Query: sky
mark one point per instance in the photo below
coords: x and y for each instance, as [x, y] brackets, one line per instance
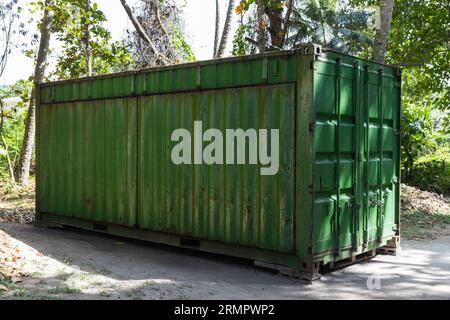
[199, 16]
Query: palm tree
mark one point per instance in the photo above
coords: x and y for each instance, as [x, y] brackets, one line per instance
[326, 22]
[226, 29]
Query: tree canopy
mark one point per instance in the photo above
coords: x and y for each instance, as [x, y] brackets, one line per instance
[417, 40]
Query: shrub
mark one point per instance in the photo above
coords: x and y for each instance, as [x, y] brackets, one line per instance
[432, 172]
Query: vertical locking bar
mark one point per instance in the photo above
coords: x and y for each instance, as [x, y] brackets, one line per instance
[367, 155]
[338, 155]
[356, 163]
[381, 198]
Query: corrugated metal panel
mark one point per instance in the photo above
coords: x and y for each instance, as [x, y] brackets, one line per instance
[230, 203]
[88, 160]
[244, 71]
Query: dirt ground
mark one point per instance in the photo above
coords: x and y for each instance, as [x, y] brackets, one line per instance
[38, 263]
[68, 264]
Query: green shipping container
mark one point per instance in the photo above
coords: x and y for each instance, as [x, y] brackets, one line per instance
[287, 158]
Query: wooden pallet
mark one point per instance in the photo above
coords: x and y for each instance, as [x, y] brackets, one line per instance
[389, 251]
[290, 272]
[365, 256]
[392, 247]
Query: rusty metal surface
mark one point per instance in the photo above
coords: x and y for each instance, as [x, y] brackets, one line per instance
[230, 203]
[104, 146]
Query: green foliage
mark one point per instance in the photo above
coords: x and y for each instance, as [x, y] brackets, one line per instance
[416, 129]
[432, 172]
[69, 20]
[418, 41]
[106, 56]
[244, 5]
[180, 44]
[240, 45]
[425, 149]
[419, 36]
[12, 126]
[341, 25]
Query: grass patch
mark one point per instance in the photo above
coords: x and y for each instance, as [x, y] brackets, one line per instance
[135, 294]
[421, 225]
[67, 261]
[7, 283]
[15, 292]
[24, 294]
[63, 290]
[104, 293]
[97, 269]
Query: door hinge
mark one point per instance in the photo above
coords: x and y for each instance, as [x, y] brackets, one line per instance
[312, 127]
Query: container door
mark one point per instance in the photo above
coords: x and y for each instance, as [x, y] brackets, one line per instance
[356, 155]
[201, 193]
[336, 149]
[381, 143]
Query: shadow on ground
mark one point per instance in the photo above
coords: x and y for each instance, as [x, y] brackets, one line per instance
[68, 264]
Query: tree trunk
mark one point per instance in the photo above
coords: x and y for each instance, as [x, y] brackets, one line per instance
[287, 20]
[39, 74]
[226, 30]
[382, 34]
[261, 40]
[87, 39]
[141, 31]
[216, 32]
[158, 18]
[7, 23]
[276, 27]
